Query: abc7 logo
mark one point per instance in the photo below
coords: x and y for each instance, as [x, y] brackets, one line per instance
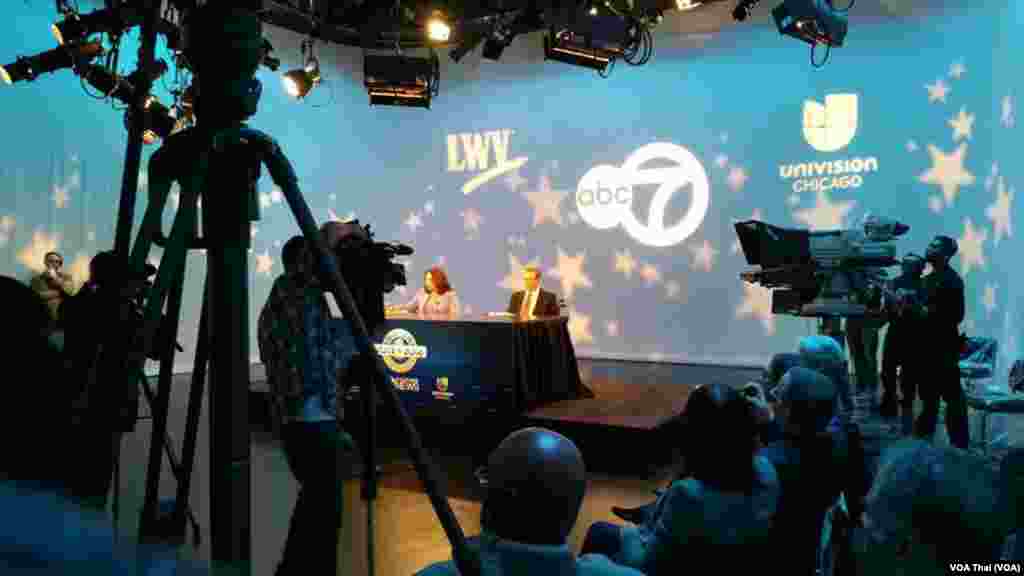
[604, 197]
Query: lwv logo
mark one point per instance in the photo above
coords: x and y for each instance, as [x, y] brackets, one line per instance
[830, 127]
[473, 151]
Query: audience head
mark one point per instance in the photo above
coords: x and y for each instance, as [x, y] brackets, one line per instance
[779, 365]
[296, 257]
[536, 483]
[931, 505]
[103, 268]
[53, 261]
[823, 354]
[531, 277]
[435, 281]
[940, 250]
[30, 355]
[721, 434]
[806, 402]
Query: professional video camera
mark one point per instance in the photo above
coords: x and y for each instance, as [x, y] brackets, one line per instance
[837, 273]
[370, 270]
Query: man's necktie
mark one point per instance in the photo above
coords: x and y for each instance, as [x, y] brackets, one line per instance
[524, 312]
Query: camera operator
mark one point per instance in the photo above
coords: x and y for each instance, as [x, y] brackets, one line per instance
[940, 316]
[100, 325]
[899, 352]
[304, 365]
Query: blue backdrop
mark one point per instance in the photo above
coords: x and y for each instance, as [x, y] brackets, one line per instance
[914, 118]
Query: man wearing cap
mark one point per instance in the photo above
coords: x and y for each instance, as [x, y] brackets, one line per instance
[940, 316]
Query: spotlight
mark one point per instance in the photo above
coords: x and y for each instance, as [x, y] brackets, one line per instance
[299, 82]
[812, 21]
[593, 43]
[160, 122]
[393, 80]
[684, 5]
[437, 29]
[70, 56]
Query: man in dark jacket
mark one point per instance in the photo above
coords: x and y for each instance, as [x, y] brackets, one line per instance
[898, 351]
[940, 316]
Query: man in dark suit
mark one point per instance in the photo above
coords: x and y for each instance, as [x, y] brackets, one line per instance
[533, 302]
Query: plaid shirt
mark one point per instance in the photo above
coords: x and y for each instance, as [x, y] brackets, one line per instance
[301, 351]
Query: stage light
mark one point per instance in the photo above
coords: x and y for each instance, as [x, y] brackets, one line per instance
[593, 43]
[812, 21]
[69, 56]
[159, 122]
[299, 82]
[437, 29]
[684, 5]
[394, 80]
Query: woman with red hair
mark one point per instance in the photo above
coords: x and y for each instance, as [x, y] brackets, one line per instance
[437, 297]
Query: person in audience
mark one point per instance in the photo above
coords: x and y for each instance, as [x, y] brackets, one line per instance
[811, 463]
[533, 301]
[940, 315]
[720, 513]
[824, 354]
[53, 285]
[436, 297]
[304, 366]
[899, 361]
[930, 506]
[536, 489]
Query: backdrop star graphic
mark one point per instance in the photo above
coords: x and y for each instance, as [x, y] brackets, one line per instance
[972, 254]
[737, 178]
[79, 269]
[988, 299]
[962, 125]
[938, 91]
[413, 221]
[757, 303]
[703, 256]
[514, 279]
[825, 215]
[612, 328]
[579, 327]
[624, 262]
[912, 146]
[264, 263]
[650, 274]
[935, 203]
[7, 225]
[999, 212]
[546, 203]
[60, 196]
[471, 220]
[957, 70]
[569, 270]
[515, 180]
[990, 180]
[1007, 116]
[948, 171]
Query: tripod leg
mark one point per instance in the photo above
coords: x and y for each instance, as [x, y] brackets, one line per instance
[369, 397]
[159, 407]
[195, 401]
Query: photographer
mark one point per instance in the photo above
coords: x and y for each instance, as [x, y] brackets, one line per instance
[304, 365]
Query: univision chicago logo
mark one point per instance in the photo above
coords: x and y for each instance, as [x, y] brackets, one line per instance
[829, 128]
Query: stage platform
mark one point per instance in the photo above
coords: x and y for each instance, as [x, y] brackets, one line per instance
[629, 427]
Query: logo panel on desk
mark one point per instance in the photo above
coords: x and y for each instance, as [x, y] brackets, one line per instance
[441, 392]
[400, 351]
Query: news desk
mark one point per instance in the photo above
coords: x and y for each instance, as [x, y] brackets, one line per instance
[479, 364]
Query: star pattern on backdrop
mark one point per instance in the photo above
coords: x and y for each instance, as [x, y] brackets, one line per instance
[650, 274]
[972, 244]
[31, 255]
[79, 269]
[1007, 112]
[962, 125]
[569, 271]
[737, 178]
[611, 328]
[988, 298]
[514, 279]
[60, 196]
[546, 203]
[935, 203]
[703, 256]
[990, 180]
[948, 171]
[579, 327]
[999, 212]
[7, 225]
[912, 146]
[264, 263]
[757, 303]
[825, 215]
[938, 91]
[957, 70]
[471, 220]
[623, 262]
[413, 221]
[515, 180]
